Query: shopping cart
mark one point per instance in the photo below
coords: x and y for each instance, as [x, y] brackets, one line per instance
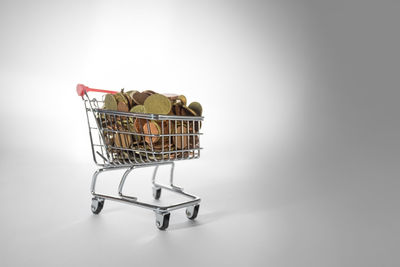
[121, 140]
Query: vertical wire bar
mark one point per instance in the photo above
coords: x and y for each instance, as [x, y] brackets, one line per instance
[188, 138]
[111, 135]
[127, 138]
[144, 141]
[198, 135]
[118, 150]
[120, 140]
[193, 138]
[137, 138]
[176, 139]
[132, 133]
[101, 132]
[90, 132]
[182, 144]
[141, 137]
[169, 139]
[162, 140]
[151, 140]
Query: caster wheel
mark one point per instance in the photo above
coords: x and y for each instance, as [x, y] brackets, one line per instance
[191, 212]
[156, 192]
[97, 205]
[162, 220]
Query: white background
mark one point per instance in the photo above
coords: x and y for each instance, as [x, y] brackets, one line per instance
[300, 98]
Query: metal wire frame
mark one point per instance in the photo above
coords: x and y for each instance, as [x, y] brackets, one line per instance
[142, 151]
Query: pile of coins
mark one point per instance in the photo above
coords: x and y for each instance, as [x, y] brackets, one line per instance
[131, 137]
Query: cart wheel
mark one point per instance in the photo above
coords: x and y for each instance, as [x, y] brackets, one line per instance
[156, 192]
[162, 220]
[191, 212]
[97, 205]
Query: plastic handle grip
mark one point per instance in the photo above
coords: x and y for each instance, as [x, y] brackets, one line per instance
[81, 89]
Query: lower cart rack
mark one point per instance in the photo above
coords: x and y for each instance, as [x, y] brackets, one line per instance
[124, 140]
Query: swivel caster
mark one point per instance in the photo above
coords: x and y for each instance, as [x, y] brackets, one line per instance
[191, 212]
[162, 220]
[156, 192]
[97, 205]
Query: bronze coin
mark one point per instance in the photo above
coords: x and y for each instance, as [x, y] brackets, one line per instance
[138, 124]
[177, 109]
[123, 107]
[149, 92]
[180, 141]
[151, 127]
[139, 98]
[131, 93]
[172, 97]
[117, 140]
[130, 100]
[182, 111]
[122, 140]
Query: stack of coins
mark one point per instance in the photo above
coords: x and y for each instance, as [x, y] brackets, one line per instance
[129, 137]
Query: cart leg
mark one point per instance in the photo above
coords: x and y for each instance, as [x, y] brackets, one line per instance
[121, 184]
[94, 180]
[156, 189]
[171, 178]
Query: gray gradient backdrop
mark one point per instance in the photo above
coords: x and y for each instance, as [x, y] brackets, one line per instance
[301, 159]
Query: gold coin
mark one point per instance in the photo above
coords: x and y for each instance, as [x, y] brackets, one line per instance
[182, 98]
[131, 121]
[189, 111]
[197, 108]
[134, 128]
[121, 98]
[110, 102]
[138, 109]
[130, 100]
[157, 104]
[131, 93]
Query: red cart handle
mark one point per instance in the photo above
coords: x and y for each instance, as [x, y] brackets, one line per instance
[82, 89]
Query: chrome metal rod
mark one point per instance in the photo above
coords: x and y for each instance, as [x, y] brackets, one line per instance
[121, 184]
[150, 206]
[173, 189]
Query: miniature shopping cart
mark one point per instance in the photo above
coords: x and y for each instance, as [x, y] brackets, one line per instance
[117, 143]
